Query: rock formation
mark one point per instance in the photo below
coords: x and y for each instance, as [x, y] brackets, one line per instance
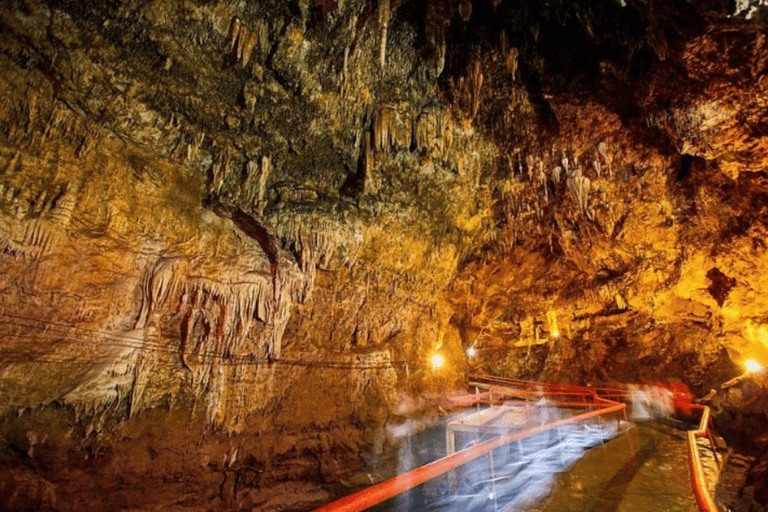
[233, 234]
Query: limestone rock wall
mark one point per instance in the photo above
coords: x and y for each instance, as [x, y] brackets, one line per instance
[225, 230]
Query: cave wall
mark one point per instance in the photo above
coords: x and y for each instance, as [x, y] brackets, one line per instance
[246, 227]
[633, 232]
[218, 220]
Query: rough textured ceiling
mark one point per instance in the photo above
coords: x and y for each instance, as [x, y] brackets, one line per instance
[247, 226]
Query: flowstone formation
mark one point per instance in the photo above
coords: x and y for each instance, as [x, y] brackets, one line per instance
[233, 234]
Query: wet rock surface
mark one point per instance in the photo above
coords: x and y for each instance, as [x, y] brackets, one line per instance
[233, 234]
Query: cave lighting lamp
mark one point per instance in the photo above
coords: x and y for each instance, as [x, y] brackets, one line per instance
[437, 361]
[554, 331]
[752, 366]
[471, 352]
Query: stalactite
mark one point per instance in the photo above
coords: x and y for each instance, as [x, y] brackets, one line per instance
[250, 42]
[234, 31]
[403, 131]
[383, 127]
[242, 37]
[465, 9]
[142, 371]
[219, 321]
[61, 211]
[438, 16]
[241, 41]
[316, 239]
[602, 148]
[369, 162]
[503, 41]
[219, 173]
[249, 191]
[579, 186]
[511, 61]
[434, 131]
[34, 225]
[344, 73]
[383, 25]
[476, 85]
[266, 169]
[262, 33]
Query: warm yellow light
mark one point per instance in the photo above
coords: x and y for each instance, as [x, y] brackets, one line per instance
[471, 352]
[437, 361]
[757, 334]
[752, 366]
[552, 321]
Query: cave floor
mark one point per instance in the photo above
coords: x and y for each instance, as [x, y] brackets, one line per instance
[642, 471]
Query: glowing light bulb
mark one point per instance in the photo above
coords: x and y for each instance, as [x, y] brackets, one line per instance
[437, 361]
[555, 334]
[752, 366]
[471, 352]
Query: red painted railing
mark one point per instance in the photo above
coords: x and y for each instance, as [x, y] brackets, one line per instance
[529, 384]
[700, 488]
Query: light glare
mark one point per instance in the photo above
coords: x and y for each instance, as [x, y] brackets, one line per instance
[471, 352]
[437, 361]
[752, 366]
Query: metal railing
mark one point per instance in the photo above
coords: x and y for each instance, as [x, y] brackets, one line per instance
[698, 479]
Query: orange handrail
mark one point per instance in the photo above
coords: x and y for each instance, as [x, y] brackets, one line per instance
[529, 383]
[700, 489]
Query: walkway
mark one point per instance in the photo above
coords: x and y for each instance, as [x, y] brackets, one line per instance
[523, 455]
[644, 470]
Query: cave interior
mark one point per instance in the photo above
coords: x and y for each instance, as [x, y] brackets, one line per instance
[240, 240]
